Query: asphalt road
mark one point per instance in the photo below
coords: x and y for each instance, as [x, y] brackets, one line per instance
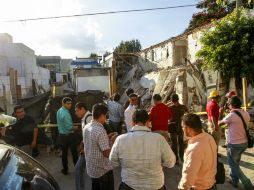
[52, 162]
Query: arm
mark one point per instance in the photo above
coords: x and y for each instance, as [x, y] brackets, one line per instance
[167, 156]
[103, 142]
[68, 121]
[151, 114]
[114, 154]
[121, 112]
[35, 136]
[214, 122]
[190, 170]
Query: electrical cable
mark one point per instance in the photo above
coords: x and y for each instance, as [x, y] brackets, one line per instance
[99, 13]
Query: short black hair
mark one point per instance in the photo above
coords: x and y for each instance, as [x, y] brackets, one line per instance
[133, 95]
[17, 107]
[98, 110]
[193, 121]
[81, 105]
[66, 99]
[129, 91]
[235, 102]
[174, 98]
[157, 97]
[140, 116]
[116, 97]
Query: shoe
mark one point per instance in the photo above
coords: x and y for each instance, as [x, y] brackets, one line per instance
[65, 172]
[233, 183]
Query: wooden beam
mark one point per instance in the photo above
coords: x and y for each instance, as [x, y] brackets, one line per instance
[245, 93]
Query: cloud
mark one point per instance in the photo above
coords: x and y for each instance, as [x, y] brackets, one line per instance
[69, 37]
[81, 36]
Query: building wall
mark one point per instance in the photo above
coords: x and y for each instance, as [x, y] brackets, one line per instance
[21, 58]
[160, 57]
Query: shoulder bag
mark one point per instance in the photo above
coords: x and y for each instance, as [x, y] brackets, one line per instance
[249, 137]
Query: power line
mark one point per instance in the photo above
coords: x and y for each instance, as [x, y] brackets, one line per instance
[99, 13]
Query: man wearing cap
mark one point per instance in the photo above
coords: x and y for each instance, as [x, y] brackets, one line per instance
[213, 113]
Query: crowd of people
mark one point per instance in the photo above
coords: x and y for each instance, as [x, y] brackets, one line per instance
[142, 142]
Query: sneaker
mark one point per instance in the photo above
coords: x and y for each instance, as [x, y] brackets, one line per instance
[233, 183]
[65, 172]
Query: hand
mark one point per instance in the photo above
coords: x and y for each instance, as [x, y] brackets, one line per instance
[33, 144]
[113, 138]
[75, 127]
[111, 135]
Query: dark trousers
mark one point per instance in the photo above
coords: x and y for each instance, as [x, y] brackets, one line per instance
[105, 182]
[177, 144]
[124, 186]
[116, 126]
[68, 141]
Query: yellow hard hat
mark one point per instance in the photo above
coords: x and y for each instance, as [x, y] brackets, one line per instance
[214, 94]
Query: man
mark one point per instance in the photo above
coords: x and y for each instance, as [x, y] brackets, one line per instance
[97, 150]
[133, 98]
[213, 113]
[82, 112]
[200, 158]
[175, 127]
[66, 134]
[225, 111]
[237, 141]
[141, 155]
[128, 92]
[116, 114]
[160, 115]
[24, 131]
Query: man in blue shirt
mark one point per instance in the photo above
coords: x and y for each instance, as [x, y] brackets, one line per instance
[66, 134]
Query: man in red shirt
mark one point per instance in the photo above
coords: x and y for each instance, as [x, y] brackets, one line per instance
[160, 116]
[213, 113]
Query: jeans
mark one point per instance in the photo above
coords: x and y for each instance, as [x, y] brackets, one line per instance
[105, 182]
[177, 144]
[234, 153]
[68, 141]
[79, 172]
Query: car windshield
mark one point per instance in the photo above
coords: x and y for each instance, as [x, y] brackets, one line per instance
[21, 172]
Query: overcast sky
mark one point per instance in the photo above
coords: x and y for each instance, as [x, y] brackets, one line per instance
[71, 37]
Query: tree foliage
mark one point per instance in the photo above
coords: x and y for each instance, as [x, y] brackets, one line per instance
[131, 46]
[93, 55]
[213, 10]
[229, 46]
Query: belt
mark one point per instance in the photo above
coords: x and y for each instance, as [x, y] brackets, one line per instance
[72, 132]
[124, 186]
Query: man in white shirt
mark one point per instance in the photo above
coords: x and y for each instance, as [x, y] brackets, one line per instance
[141, 155]
[82, 112]
[130, 110]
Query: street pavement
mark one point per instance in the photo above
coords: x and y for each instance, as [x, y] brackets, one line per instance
[52, 162]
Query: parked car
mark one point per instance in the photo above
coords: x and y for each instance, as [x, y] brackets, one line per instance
[21, 172]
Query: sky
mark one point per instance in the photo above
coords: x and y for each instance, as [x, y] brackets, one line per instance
[79, 36]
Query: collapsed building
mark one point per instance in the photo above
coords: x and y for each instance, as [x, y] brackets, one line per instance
[166, 68]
